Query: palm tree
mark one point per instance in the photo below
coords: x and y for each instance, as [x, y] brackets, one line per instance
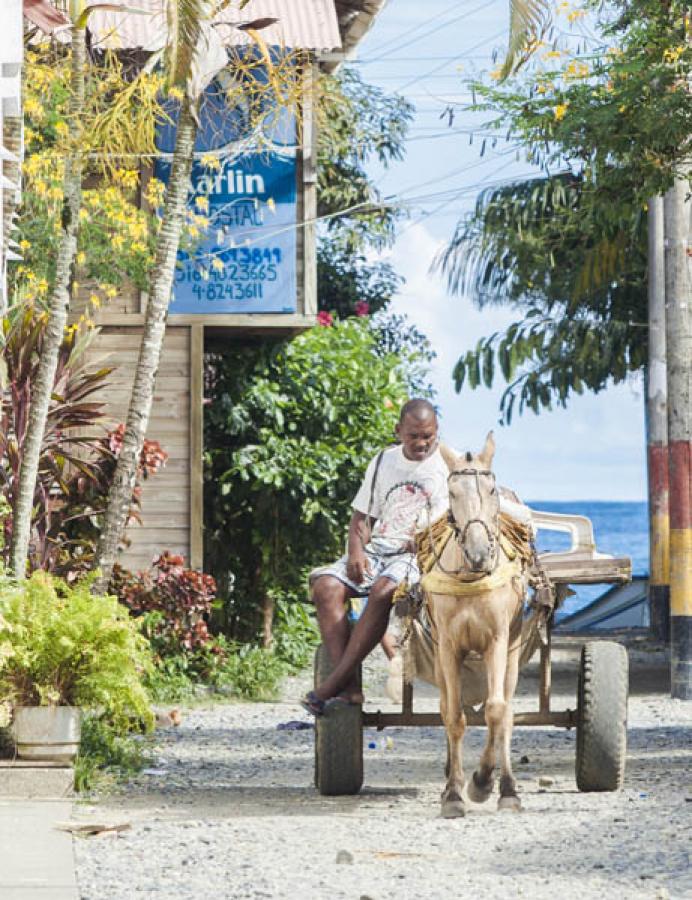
[58, 304]
[192, 62]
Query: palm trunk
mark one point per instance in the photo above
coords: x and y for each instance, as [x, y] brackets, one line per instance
[57, 320]
[120, 494]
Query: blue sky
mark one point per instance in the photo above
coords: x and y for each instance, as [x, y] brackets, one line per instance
[593, 450]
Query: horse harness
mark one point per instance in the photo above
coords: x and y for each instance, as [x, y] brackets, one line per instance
[461, 533]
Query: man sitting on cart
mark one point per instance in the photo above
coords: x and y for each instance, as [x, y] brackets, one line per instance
[404, 488]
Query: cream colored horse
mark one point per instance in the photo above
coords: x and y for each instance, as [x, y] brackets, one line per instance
[482, 617]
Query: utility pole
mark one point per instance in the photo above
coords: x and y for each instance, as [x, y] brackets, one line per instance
[657, 430]
[679, 371]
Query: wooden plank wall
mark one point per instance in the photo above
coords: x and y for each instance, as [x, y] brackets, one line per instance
[165, 497]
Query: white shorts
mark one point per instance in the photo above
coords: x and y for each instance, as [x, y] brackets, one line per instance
[397, 568]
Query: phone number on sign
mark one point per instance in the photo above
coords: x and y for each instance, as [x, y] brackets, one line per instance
[235, 291]
[230, 272]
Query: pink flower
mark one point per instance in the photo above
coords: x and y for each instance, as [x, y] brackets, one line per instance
[362, 308]
[325, 318]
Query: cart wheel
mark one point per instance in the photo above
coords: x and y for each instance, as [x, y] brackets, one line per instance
[338, 742]
[602, 716]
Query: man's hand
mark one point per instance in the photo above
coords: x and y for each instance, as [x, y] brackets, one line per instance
[357, 565]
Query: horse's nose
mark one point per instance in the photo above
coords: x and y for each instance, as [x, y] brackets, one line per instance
[479, 562]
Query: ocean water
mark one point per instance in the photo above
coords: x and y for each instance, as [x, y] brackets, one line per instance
[621, 529]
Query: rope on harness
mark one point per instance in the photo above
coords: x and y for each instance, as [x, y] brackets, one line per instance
[515, 540]
[439, 583]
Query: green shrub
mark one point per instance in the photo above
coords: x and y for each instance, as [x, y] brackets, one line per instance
[106, 755]
[295, 632]
[231, 670]
[59, 645]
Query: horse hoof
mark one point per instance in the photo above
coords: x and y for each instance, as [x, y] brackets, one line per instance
[479, 792]
[453, 809]
[511, 804]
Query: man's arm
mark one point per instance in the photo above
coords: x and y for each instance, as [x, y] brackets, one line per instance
[357, 563]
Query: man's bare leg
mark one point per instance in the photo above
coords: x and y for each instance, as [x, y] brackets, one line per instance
[367, 633]
[331, 598]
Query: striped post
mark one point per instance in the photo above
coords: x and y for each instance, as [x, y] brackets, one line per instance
[679, 366]
[657, 430]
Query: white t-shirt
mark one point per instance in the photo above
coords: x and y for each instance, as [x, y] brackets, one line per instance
[408, 494]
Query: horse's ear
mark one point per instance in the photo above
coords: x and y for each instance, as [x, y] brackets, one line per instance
[488, 451]
[449, 457]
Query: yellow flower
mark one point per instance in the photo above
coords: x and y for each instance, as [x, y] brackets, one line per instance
[495, 74]
[24, 245]
[271, 204]
[111, 292]
[559, 111]
[176, 93]
[673, 54]
[202, 203]
[552, 54]
[210, 161]
[217, 264]
[81, 258]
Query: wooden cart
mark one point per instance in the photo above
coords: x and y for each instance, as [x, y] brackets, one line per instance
[601, 709]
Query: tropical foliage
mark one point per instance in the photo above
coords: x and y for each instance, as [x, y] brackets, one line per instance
[71, 448]
[357, 124]
[574, 264]
[292, 427]
[61, 646]
[568, 250]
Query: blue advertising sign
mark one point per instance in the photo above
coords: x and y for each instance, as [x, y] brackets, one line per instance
[245, 258]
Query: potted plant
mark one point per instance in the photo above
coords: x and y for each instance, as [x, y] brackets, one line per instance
[63, 650]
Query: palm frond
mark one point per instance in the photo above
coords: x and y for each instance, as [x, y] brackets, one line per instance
[185, 20]
[528, 21]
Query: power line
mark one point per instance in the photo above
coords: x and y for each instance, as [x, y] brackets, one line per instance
[413, 28]
[437, 28]
[443, 64]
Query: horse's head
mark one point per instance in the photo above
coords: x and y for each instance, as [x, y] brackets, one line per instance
[474, 504]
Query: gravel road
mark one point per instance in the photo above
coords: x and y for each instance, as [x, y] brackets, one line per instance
[230, 812]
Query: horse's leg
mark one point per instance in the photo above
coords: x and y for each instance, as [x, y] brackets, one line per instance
[508, 789]
[455, 724]
[481, 785]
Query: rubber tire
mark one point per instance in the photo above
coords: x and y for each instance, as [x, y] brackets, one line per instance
[338, 742]
[602, 716]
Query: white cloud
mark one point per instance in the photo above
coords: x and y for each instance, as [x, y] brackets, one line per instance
[593, 450]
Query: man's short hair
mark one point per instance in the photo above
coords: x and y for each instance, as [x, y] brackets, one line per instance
[418, 408]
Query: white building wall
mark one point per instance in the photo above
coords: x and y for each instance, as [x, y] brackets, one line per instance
[11, 54]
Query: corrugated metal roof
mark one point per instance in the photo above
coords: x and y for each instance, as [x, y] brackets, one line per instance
[304, 24]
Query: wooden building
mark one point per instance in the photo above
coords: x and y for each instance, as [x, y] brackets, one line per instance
[172, 501]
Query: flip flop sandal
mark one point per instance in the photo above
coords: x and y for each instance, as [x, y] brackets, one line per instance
[312, 704]
[339, 702]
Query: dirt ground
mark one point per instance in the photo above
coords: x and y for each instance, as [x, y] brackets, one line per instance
[229, 809]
